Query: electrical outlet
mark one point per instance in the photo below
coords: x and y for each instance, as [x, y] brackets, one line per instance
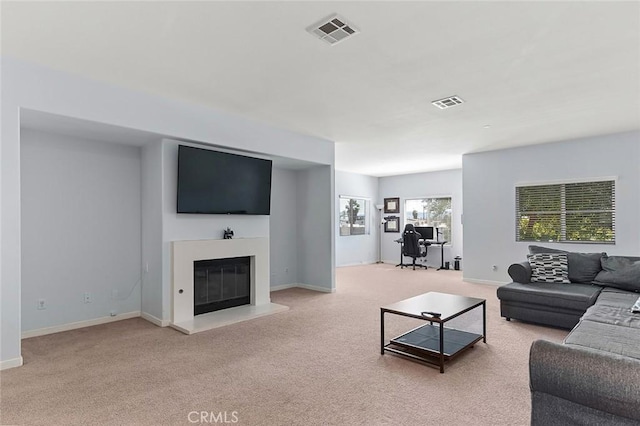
[146, 267]
[286, 270]
[42, 304]
[88, 298]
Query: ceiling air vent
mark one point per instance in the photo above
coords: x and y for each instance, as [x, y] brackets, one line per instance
[332, 30]
[449, 102]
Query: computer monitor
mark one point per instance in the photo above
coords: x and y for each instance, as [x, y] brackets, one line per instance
[427, 232]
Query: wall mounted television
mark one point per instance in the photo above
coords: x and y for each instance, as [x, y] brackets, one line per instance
[213, 182]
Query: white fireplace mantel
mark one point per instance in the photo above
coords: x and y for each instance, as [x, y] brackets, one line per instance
[186, 252]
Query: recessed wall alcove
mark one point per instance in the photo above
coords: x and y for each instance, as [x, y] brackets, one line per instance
[302, 198]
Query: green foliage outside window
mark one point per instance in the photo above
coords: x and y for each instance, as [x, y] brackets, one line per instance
[572, 212]
[434, 212]
[353, 216]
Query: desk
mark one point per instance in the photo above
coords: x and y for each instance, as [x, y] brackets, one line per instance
[441, 244]
[422, 241]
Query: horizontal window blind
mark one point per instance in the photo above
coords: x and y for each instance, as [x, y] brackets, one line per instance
[568, 212]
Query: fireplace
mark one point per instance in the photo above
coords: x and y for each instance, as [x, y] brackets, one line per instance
[186, 253]
[221, 284]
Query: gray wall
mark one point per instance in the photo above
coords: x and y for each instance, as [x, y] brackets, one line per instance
[316, 220]
[489, 181]
[80, 212]
[283, 228]
[357, 249]
[446, 183]
[152, 291]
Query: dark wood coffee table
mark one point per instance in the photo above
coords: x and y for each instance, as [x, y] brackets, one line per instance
[433, 343]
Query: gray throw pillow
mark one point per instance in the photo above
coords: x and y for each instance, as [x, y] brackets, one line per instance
[583, 267]
[620, 272]
[549, 268]
[540, 249]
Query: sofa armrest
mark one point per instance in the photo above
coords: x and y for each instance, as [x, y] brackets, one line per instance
[520, 272]
[599, 380]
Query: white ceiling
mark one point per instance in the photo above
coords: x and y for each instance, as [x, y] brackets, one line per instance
[534, 72]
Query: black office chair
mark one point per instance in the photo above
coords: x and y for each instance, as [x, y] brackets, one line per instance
[411, 246]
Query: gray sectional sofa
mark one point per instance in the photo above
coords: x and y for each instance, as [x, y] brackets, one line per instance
[593, 377]
[552, 303]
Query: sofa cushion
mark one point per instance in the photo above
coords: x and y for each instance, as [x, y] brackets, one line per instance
[620, 272]
[577, 297]
[614, 307]
[583, 267]
[616, 298]
[605, 337]
[622, 317]
[549, 268]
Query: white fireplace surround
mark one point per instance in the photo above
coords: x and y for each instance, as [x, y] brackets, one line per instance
[186, 252]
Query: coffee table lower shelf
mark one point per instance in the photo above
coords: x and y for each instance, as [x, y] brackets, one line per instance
[423, 343]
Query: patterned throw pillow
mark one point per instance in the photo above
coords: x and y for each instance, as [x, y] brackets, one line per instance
[549, 268]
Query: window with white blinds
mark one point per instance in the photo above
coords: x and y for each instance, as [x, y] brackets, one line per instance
[567, 212]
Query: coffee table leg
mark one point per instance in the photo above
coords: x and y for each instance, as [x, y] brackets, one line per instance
[441, 347]
[381, 332]
[484, 322]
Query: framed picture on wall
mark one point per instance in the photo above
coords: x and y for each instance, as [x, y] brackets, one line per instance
[392, 224]
[392, 205]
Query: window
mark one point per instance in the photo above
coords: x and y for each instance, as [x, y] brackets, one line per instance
[353, 216]
[434, 212]
[567, 212]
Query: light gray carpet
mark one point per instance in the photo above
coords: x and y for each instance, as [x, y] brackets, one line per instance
[317, 364]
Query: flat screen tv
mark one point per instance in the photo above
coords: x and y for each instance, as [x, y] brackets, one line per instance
[213, 182]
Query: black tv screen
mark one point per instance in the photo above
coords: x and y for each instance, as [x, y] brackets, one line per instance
[212, 182]
[425, 231]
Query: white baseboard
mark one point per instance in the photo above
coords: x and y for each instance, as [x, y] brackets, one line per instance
[155, 320]
[11, 363]
[79, 324]
[299, 285]
[283, 287]
[367, 262]
[316, 288]
[487, 282]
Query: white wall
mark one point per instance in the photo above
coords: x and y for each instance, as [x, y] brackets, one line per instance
[37, 88]
[357, 249]
[283, 229]
[80, 211]
[446, 183]
[489, 181]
